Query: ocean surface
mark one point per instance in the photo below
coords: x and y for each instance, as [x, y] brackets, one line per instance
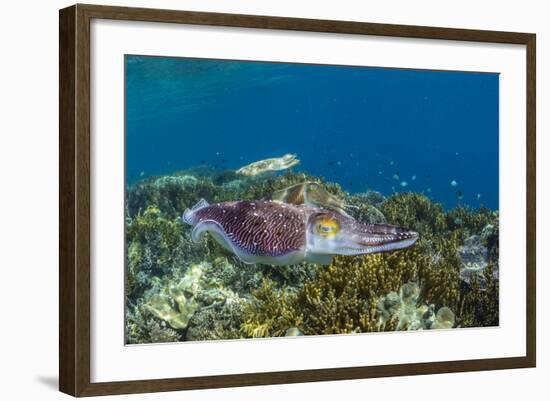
[389, 130]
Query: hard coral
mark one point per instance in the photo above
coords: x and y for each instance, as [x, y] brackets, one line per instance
[415, 211]
[176, 303]
[340, 299]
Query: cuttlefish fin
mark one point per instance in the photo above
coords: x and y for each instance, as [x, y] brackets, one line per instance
[219, 234]
[189, 213]
[319, 258]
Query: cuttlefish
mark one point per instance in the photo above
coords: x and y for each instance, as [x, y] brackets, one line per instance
[313, 194]
[274, 164]
[278, 233]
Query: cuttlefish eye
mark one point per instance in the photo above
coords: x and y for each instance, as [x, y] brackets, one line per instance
[327, 227]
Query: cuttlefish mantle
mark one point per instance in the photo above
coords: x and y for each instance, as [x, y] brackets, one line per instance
[278, 233]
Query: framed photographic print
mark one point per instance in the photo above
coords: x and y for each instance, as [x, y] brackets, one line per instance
[251, 200]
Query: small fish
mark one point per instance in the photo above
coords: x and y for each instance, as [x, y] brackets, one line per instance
[404, 183]
[142, 173]
[396, 176]
[429, 190]
[459, 195]
[454, 183]
[478, 196]
[414, 177]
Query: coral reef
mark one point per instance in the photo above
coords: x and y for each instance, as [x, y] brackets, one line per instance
[176, 303]
[177, 290]
[405, 309]
[415, 211]
[474, 256]
[343, 298]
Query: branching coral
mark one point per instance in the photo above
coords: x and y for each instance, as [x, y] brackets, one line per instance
[415, 211]
[271, 312]
[340, 299]
[469, 222]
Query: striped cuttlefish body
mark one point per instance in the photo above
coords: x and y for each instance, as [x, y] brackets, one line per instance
[277, 233]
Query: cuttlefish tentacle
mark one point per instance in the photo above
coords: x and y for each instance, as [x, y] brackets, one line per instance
[278, 233]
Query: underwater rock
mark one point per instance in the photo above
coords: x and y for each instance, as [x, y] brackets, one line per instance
[268, 165]
[474, 259]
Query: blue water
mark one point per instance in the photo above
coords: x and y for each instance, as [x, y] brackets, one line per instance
[365, 128]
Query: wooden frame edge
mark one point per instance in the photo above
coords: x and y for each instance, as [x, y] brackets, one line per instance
[531, 201]
[67, 131]
[74, 199]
